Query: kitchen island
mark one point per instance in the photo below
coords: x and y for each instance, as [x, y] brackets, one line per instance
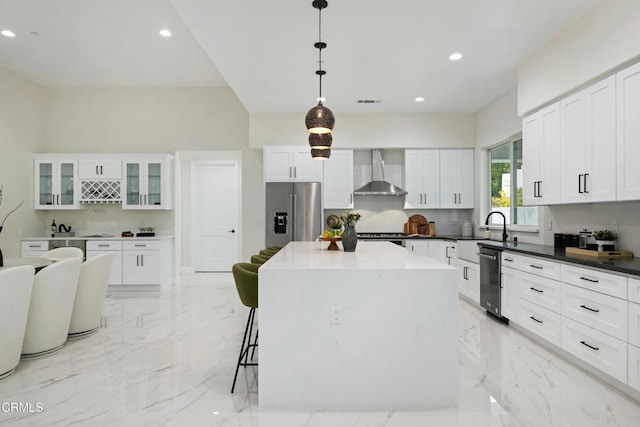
[372, 329]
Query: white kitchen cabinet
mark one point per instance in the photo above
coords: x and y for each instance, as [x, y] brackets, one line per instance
[147, 183]
[114, 247]
[541, 135]
[100, 169]
[56, 183]
[542, 291]
[628, 133]
[509, 293]
[469, 280]
[456, 179]
[291, 164]
[33, 248]
[418, 247]
[634, 290]
[602, 351]
[634, 324]
[337, 188]
[422, 179]
[595, 280]
[588, 140]
[450, 252]
[542, 322]
[634, 367]
[140, 263]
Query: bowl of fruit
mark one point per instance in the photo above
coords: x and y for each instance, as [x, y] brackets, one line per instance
[332, 236]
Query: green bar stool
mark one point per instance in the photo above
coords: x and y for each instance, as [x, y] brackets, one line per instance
[267, 252]
[274, 248]
[246, 278]
[259, 259]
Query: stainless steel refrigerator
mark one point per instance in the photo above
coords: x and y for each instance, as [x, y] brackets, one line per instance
[293, 212]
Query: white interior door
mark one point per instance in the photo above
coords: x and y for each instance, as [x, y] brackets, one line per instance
[215, 221]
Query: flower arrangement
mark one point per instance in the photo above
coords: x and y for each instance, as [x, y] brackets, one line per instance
[349, 219]
[10, 212]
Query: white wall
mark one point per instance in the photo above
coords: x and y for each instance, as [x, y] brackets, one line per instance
[151, 120]
[602, 40]
[369, 130]
[21, 133]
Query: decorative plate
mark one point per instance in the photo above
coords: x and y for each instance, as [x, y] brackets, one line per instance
[333, 221]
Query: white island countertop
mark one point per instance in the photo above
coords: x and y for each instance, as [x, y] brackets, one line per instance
[374, 329]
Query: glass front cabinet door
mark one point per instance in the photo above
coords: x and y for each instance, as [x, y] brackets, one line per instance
[146, 184]
[56, 184]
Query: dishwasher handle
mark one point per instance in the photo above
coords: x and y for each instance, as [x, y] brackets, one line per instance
[491, 257]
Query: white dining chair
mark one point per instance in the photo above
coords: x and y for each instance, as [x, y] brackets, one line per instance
[16, 285]
[58, 254]
[54, 292]
[92, 289]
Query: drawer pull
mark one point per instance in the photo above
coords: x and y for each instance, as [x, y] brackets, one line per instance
[103, 246]
[588, 280]
[508, 259]
[34, 246]
[590, 346]
[536, 320]
[590, 309]
[536, 290]
[535, 266]
[140, 246]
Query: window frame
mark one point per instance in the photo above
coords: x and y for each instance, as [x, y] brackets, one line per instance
[510, 142]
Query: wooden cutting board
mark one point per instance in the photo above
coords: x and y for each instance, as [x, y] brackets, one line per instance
[599, 254]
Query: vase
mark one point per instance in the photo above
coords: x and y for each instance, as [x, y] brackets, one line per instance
[349, 238]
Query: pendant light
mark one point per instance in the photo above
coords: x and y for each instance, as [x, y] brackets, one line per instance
[320, 119]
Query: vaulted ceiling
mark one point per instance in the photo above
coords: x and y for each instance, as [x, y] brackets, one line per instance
[391, 52]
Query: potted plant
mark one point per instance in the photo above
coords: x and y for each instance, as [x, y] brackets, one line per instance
[605, 239]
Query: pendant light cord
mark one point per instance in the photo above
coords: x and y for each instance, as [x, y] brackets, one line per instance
[320, 50]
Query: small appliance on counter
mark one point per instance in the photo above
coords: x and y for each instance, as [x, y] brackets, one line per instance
[146, 232]
[467, 229]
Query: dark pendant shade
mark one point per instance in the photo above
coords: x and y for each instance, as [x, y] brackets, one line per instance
[320, 154]
[320, 141]
[320, 119]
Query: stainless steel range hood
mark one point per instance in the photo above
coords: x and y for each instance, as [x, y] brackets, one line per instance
[378, 186]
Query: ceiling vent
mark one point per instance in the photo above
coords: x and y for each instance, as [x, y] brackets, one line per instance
[369, 101]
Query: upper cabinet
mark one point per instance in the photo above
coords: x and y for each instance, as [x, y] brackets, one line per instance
[291, 164]
[422, 179]
[147, 183]
[100, 180]
[100, 169]
[456, 179]
[588, 141]
[628, 136]
[338, 180]
[541, 157]
[56, 183]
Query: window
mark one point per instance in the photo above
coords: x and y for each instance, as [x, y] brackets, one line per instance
[505, 176]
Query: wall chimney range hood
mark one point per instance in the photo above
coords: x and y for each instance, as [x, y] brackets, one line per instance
[378, 186]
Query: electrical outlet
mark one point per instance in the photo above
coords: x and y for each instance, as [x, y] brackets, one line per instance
[336, 315]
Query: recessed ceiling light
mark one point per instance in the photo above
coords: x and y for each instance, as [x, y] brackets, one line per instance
[419, 99]
[8, 33]
[455, 56]
[165, 33]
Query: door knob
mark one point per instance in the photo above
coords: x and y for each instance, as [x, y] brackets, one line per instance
[232, 231]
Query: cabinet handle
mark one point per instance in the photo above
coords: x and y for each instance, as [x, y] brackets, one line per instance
[535, 266]
[290, 172]
[96, 169]
[589, 280]
[145, 199]
[590, 346]
[508, 259]
[455, 198]
[585, 182]
[533, 318]
[590, 309]
[103, 246]
[140, 246]
[536, 290]
[466, 273]
[139, 199]
[138, 260]
[142, 260]
[101, 173]
[539, 188]
[351, 197]
[57, 199]
[420, 198]
[580, 183]
[446, 252]
[460, 198]
[34, 246]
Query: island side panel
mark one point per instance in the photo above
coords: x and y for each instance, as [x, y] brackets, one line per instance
[396, 347]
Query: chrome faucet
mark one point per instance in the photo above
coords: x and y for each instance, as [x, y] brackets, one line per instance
[504, 224]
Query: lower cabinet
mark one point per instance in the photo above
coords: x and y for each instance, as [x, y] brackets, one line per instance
[469, 280]
[602, 351]
[509, 293]
[542, 322]
[95, 248]
[436, 249]
[34, 249]
[140, 263]
[634, 367]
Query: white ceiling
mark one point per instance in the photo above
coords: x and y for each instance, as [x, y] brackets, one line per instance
[387, 51]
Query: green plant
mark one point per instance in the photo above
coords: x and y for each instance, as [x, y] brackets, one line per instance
[604, 235]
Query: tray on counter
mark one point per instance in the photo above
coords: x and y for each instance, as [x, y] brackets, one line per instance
[598, 254]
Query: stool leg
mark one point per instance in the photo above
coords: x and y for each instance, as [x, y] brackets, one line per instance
[255, 344]
[244, 339]
[246, 354]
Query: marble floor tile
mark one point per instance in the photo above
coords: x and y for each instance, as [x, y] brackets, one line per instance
[167, 358]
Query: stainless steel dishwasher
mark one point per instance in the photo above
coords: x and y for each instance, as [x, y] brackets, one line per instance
[490, 280]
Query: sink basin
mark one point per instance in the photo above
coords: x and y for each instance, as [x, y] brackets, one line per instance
[67, 234]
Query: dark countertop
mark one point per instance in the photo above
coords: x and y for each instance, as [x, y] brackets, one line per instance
[618, 265]
[424, 237]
